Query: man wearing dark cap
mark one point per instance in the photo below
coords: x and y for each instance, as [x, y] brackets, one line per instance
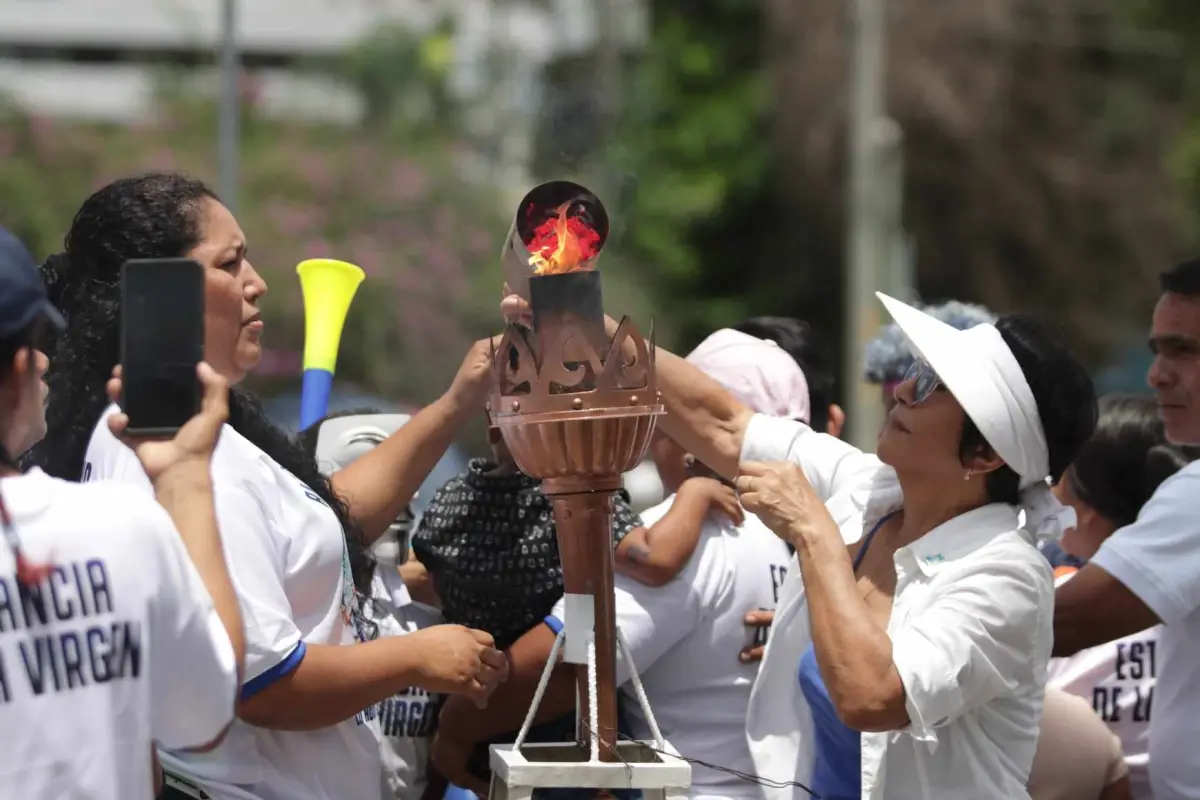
[24, 306]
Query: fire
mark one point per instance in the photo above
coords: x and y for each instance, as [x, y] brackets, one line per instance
[562, 243]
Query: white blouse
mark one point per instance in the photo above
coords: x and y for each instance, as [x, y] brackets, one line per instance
[971, 631]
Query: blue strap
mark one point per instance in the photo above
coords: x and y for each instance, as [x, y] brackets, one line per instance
[862, 551]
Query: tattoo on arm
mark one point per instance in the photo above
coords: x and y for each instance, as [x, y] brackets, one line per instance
[637, 553]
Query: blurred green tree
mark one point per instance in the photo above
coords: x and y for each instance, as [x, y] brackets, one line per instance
[1028, 130]
[1175, 26]
[684, 160]
[403, 78]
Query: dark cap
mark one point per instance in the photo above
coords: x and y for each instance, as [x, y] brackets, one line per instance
[23, 296]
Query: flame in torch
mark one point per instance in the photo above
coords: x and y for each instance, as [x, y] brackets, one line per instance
[564, 241]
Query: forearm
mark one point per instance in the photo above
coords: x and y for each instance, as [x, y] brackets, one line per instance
[1094, 608]
[634, 559]
[380, 484]
[333, 683]
[702, 416]
[188, 500]
[853, 652]
[656, 554]
[1070, 638]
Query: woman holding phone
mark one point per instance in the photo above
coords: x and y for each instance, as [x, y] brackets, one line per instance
[127, 624]
[295, 542]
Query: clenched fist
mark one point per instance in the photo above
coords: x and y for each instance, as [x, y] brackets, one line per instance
[459, 660]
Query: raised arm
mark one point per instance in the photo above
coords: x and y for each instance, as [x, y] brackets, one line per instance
[716, 428]
[656, 553]
[721, 432]
[379, 485]
[702, 417]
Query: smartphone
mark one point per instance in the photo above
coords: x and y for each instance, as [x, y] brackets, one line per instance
[162, 341]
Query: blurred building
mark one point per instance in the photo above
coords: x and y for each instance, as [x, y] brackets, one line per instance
[103, 59]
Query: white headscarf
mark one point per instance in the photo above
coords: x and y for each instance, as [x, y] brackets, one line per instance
[979, 369]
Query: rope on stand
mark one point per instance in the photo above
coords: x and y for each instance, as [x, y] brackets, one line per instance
[636, 679]
[593, 701]
[547, 671]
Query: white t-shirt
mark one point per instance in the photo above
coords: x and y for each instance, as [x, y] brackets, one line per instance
[1158, 559]
[1117, 678]
[119, 647]
[685, 638]
[285, 551]
[407, 721]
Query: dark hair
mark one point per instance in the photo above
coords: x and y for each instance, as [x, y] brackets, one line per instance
[1065, 397]
[148, 216]
[1120, 467]
[809, 350]
[1183, 278]
[307, 438]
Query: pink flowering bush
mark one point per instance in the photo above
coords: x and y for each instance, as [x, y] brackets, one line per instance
[427, 238]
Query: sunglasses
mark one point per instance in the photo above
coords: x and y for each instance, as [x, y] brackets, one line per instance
[925, 381]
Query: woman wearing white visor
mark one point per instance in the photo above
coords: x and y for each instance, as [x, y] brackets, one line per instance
[908, 655]
[929, 634]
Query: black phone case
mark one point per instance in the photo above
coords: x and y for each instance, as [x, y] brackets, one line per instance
[167, 302]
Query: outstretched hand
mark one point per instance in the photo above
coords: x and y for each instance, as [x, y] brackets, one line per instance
[193, 444]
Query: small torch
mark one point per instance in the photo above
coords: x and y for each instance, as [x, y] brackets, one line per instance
[576, 410]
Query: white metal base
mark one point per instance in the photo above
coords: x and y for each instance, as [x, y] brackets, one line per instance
[655, 768]
[652, 769]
